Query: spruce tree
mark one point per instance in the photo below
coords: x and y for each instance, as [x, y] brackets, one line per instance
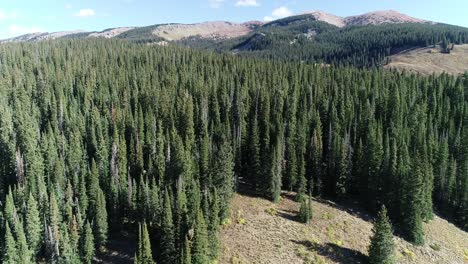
[33, 225]
[200, 241]
[275, 183]
[101, 225]
[186, 252]
[412, 223]
[68, 254]
[24, 253]
[382, 247]
[223, 177]
[10, 253]
[144, 246]
[87, 244]
[310, 206]
[303, 213]
[168, 251]
[213, 227]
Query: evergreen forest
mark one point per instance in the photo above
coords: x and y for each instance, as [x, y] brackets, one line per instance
[99, 136]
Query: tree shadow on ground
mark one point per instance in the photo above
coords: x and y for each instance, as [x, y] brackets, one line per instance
[120, 249]
[245, 188]
[288, 215]
[334, 252]
[351, 206]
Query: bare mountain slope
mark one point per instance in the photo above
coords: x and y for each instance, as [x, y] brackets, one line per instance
[381, 17]
[372, 18]
[214, 30]
[110, 33]
[328, 18]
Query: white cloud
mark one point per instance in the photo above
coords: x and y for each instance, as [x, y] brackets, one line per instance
[86, 13]
[278, 13]
[20, 30]
[68, 6]
[216, 3]
[247, 3]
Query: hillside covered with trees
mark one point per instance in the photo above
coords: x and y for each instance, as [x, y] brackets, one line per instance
[304, 39]
[97, 136]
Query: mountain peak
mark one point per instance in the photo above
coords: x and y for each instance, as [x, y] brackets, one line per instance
[371, 18]
[327, 17]
[381, 17]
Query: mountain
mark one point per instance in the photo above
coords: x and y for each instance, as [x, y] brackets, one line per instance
[320, 38]
[217, 29]
[372, 18]
[328, 18]
[169, 32]
[381, 17]
[33, 37]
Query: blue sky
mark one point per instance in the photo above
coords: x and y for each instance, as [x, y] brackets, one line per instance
[25, 16]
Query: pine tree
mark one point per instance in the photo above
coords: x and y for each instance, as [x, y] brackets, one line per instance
[87, 244]
[10, 253]
[68, 254]
[24, 253]
[276, 171]
[33, 226]
[303, 213]
[223, 177]
[213, 227]
[154, 206]
[9, 209]
[412, 204]
[253, 154]
[204, 153]
[168, 251]
[310, 208]
[93, 189]
[52, 231]
[200, 241]
[186, 252]
[101, 225]
[382, 247]
[343, 170]
[144, 246]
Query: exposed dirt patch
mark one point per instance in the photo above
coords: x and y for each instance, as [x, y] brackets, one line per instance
[110, 33]
[430, 60]
[336, 235]
[215, 30]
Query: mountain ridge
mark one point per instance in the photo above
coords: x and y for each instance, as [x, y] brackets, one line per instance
[222, 29]
[371, 18]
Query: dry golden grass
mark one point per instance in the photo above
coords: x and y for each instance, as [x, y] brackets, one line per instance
[431, 60]
[336, 235]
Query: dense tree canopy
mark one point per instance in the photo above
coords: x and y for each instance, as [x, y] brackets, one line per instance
[96, 135]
